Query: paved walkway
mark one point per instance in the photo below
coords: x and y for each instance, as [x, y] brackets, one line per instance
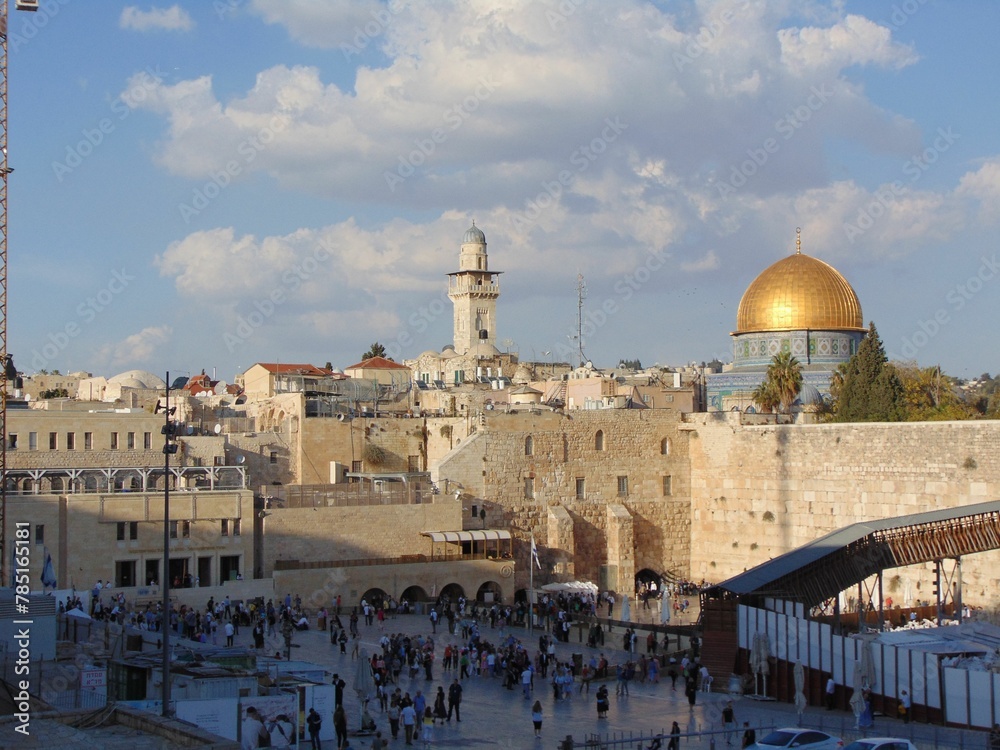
[495, 717]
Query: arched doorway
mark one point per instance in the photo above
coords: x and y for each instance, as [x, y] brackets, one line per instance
[648, 580]
[413, 594]
[451, 593]
[490, 593]
[375, 597]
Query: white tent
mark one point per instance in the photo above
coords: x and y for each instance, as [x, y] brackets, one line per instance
[577, 587]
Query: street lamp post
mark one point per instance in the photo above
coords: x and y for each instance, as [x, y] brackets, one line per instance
[169, 431]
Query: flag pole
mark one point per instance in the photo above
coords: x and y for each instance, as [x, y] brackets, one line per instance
[531, 587]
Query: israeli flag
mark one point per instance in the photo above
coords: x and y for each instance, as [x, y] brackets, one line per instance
[48, 572]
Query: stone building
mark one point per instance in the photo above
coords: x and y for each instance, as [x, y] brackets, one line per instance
[798, 305]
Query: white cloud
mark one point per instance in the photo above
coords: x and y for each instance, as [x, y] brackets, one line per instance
[854, 40]
[136, 349]
[983, 186]
[173, 18]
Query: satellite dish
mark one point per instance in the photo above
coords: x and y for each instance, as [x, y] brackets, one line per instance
[189, 429]
[218, 429]
[220, 387]
[241, 459]
[341, 417]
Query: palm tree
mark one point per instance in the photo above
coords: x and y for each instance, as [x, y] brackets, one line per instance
[785, 373]
[765, 396]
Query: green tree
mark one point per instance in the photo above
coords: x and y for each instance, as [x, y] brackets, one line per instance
[781, 385]
[930, 395]
[766, 396]
[872, 390]
[375, 350]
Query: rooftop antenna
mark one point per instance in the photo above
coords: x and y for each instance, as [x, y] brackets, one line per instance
[581, 295]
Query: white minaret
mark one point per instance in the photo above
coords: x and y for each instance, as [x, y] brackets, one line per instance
[474, 289]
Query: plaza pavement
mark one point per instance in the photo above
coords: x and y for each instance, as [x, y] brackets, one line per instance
[499, 718]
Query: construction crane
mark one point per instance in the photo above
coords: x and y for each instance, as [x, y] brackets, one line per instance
[5, 360]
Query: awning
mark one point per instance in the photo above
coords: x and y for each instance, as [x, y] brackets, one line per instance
[477, 535]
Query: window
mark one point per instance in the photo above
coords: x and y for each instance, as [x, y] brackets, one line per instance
[32, 441]
[413, 463]
[12, 441]
[133, 530]
[581, 488]
[236, 527]
[173, 529]
[130, 441]
[665, 447]
[599, 440]
[147, 440]
[53, 441]
[225, 527]
[274, 457]
[71, 441]
[529, 446]
[668, 489]
[40, 533]
[114, 441]
[622, 486]
[121, 531]
[186, 529]
[529, 487]
[88, 441]
[125, 573]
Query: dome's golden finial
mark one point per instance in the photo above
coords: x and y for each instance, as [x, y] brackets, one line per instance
[798, 240]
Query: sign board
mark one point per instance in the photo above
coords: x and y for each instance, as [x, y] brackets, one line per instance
[93, 678]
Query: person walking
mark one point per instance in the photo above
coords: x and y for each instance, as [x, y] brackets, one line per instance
[314, 723]
[536, 719]
[340, 726]
[831, 690]
[749, 735]
[455, 700]
[230, 632]
[440, 712]
[393, 714]
[409, 718]
[675, 737]
[729, 722]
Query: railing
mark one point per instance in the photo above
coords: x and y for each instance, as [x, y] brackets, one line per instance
[400, 560]
[353, 494]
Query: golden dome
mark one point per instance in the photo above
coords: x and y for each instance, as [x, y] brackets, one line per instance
[799, 293]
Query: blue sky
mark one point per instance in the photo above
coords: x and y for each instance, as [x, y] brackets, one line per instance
[212, 184]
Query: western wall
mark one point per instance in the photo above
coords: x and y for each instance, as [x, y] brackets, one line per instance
[758, 491]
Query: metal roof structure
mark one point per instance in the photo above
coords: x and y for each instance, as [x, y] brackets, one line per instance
[826, 566]
[473, 535]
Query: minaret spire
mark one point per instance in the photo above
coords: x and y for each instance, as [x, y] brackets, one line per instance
[798, 240]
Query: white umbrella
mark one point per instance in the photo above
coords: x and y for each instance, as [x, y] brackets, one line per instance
[626, 610]
[759, 654]
[800, 697]
[857, 699]
[78, 614]
[664, 609]
[364, 680]
[867, 665]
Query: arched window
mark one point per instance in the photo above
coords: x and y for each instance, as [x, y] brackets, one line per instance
[599, 440]
[529, 446]
[665, 447]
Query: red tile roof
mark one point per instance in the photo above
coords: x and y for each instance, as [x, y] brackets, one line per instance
[377, 363]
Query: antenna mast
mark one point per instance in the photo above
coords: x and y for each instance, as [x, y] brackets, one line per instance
[581, 295]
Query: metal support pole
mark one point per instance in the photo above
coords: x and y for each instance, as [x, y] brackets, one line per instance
[958, 589]
[165, 573]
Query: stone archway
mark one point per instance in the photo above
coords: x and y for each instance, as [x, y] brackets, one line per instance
[375, 596]
[490, 592]
[414, 594]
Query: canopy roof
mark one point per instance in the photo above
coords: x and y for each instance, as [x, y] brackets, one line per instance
[476, 535]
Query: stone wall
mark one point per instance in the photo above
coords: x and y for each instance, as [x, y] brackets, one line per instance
[355, 533]
[760, 491]
[563, 449]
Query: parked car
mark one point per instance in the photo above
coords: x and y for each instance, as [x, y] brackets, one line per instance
[808, 739]
[881, 743]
